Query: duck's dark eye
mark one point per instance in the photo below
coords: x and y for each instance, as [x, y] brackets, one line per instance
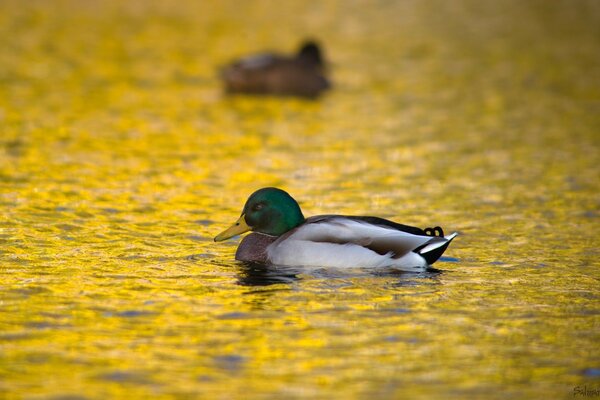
[258, 207]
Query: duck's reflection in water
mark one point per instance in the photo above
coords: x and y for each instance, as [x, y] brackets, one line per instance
[255, 274]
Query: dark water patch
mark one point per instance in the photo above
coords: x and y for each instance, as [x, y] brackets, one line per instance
[204, 222]
[590, 214]
[449, 259]
[7, 203]
[235, 315]
[399, 339]
[144, 210]
[199, 256]
[16, 336]
[379, 313]
[141, 287]
[230, 362]
[43, 215]
[110, 210]
[13, 178]
[129, 313]
[414, 279]
[130, 258]
[133, 377]
[44, 325]
[41, 358]
[146, 224]
[14, 147]
[335, 282]
[142, 254]
[573, 183]
[591, 372]
[176, 277]
[589, 312]
[259, 290]
[397, 311]
[199, 238]
[133, 313]
[30, 290]
[158, 244]
[116, 276]
[68, 397]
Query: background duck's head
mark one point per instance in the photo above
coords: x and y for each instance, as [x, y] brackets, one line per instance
[270, 211]
[310, 53]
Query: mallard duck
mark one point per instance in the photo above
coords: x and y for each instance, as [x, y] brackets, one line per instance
[299, 75]
[282, 236]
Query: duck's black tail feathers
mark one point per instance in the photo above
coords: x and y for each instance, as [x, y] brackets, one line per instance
[433, 251]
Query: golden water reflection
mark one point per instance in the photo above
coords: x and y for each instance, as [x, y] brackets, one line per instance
[120, 159]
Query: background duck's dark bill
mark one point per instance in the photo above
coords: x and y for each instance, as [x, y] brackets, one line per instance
[239, 227]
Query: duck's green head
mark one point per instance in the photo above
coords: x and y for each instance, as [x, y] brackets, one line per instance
[269, 210]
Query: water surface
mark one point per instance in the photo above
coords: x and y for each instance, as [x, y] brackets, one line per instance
[120, 160]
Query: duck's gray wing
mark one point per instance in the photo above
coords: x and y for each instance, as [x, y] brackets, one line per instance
[381, 239]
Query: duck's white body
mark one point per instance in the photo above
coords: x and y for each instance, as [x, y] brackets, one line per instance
[338, 242]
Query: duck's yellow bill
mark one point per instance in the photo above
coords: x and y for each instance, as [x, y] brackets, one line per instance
[239, 227]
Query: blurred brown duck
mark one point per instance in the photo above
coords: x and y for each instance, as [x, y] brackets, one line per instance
[299, 75]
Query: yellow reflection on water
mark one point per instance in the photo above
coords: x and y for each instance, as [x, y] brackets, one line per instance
[120, 159]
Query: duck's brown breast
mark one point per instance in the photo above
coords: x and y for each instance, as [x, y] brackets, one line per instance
[253, 248]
